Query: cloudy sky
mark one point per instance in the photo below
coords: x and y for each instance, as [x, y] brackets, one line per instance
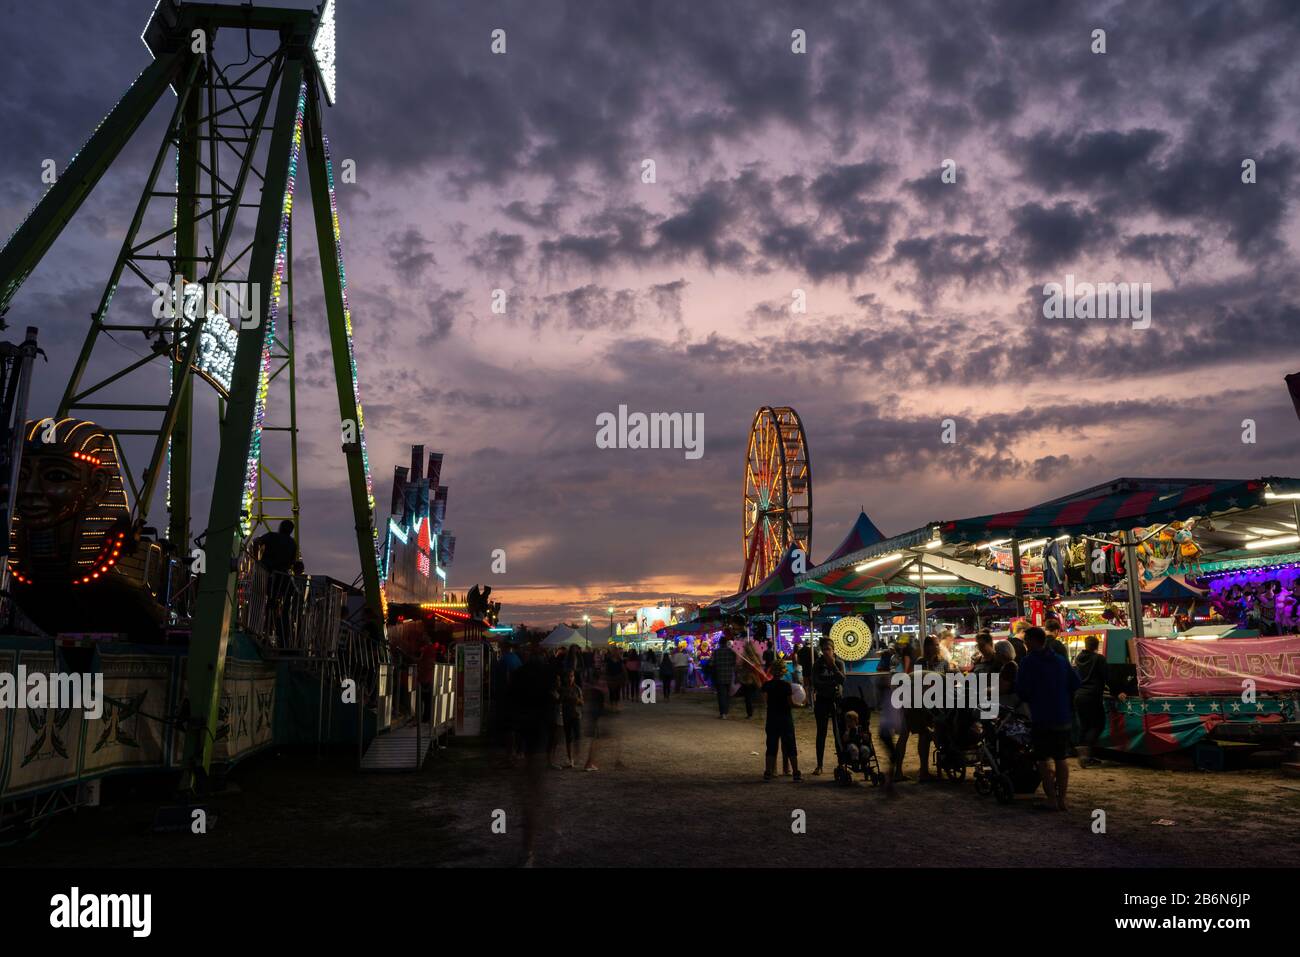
[775, 171]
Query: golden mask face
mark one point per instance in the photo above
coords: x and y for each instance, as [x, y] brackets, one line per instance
[54, 487]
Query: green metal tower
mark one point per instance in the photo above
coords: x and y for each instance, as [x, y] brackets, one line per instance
[240, 132]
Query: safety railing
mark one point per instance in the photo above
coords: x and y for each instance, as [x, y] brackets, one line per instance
[293, 614]
[359, 654]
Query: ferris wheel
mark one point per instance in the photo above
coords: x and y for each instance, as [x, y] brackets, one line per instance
[777, 505]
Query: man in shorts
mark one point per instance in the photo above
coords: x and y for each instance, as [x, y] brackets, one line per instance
[1047, 683]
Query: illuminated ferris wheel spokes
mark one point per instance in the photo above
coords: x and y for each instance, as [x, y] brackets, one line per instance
[777, 499]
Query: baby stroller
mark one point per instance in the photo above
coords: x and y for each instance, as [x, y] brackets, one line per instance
[865, 761]
[956, 742]
[1006, 759]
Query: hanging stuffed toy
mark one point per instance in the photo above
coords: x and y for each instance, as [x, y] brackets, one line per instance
[1189, 552]
[1162, 553]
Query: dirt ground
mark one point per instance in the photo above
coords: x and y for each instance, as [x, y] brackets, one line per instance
[690, 795]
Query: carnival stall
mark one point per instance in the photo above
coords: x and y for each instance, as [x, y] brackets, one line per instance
[1159, 570]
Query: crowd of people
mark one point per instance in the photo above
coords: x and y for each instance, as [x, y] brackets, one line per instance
[565, 696]
[562, 704]
[1035, 679]
[1271, 606]
[561, 707]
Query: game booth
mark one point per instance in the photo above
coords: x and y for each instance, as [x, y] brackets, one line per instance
[1192, 588]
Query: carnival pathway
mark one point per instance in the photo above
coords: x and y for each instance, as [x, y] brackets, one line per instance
[691, 794]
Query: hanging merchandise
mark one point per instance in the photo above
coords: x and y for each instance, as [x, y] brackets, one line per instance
[1053, 568]
[1172, 550]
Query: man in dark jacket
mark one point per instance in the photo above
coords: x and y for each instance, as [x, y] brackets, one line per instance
[1054, 643]
[724, 673]
[276, 552]
[1088, 706]
[1047, 683]
[828, 685]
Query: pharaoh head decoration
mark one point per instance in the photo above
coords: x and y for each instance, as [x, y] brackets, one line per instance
[71, 521]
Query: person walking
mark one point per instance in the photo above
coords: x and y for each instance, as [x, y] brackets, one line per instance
[511, 665]
[615, 676]
[666, 674]
[595, 697]
[681, 665]
[893, 727]
[1047, 683]
[571, 710]
[1088, 700]
[428, 658]
[533, 686]
[724, 674]
[921, 720]
[633, 666]
[554, 718]
[828, 688]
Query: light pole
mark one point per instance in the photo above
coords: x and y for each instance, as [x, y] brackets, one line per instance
[611, 622]
[586, 622]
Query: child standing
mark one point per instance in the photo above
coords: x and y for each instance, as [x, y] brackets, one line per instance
[780, 721]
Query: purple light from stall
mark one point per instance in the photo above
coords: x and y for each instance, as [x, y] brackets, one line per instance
[1284, 574]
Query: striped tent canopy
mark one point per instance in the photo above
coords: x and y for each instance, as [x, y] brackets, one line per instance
[1118, 505]
[688, 628]
[873, 583]
[845, 583]
[778, 580]
[801, 596]
[714, 610]
[1168, 588]
[862, 534]
[781, 577]
[842, 608]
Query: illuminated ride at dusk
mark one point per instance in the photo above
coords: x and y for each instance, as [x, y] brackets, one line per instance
[200, 295]
[776, 512]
